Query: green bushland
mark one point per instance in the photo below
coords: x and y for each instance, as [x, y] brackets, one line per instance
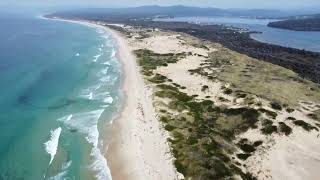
[202, 138]
[257, 77]
[150, 60]
[158, 78]
[201, 134]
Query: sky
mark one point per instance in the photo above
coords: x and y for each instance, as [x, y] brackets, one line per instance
[248, 4]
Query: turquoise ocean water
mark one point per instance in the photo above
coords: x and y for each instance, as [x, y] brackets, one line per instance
[59, 89]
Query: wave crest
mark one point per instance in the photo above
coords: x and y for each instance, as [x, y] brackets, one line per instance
[51, 146]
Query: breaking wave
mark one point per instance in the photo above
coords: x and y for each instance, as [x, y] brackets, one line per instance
[51, 146]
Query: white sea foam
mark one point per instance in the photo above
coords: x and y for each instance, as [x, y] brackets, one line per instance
[113, 54]
[63, 173]
[52, 145]
[97, 86]
[106, 63]
[105, 71]
[91, 95]
[96, 57]
[100, 165]
[108, 79]
[66, 118]
[105, 79]
[87, 124]
[102, 95]
[100, 31]
[60, 176]
[106, 36]
[93, 88]
[100, 49]
[108, 100]
[78, 54]
[69, 117]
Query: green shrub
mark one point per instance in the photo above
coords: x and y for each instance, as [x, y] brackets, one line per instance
[164, 119]
[276, 106]
[269, 129]
[257, 143]
[289, 110]
[204, 88]
[285, 128]
[313, 116]
[192, 140]
[247, 148]
[228, 91]
[180, 168]
[304, 125]
[291, 118]
[267, 122]
[271, 114]
[243, 156]
[241, 95]
[169, 127]
[158, 78]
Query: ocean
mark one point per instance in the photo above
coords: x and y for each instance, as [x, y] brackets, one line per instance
[59, 92]
[296, 39]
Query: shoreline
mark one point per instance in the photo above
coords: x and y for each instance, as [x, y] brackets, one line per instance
[102, 149]
[136, 134]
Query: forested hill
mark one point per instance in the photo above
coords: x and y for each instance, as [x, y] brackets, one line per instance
[311, 23]
[171, 11]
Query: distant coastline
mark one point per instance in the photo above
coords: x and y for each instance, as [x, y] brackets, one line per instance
[304, 24]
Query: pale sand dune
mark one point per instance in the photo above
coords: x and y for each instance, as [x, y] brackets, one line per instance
[295, 157]
[163, 43]
[179, 73]
[139, 149]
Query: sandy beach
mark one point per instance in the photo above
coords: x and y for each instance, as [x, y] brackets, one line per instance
[139, 149]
